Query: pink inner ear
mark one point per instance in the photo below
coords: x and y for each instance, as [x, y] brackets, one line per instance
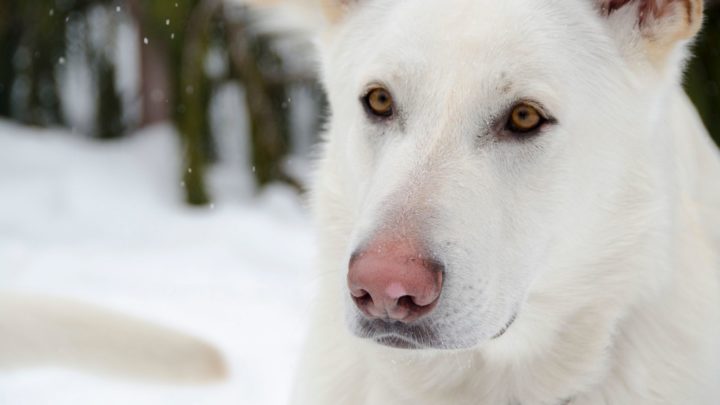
[612, 5]
[648, 8]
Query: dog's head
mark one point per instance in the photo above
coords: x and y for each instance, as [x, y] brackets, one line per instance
[478, 149]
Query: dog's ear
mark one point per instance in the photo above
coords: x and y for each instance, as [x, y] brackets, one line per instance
[336, 9]
[661, 25]
[330, 11]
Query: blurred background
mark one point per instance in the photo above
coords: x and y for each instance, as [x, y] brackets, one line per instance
[153, 156]
[106, 69]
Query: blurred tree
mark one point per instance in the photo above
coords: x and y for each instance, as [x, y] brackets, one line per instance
[33, 40]
[194, 90]
[36, 52]
[109, 120]
[174, 38]
[155, 72]
[110, 124]
[703, 79]
[268, 123]
[10, 32]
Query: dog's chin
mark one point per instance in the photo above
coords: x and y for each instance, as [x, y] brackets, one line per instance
[418, 336]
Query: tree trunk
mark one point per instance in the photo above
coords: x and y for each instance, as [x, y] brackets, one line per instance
[193, 97]
[9, 39]
[703, 79]
[268, 135]
[155, 88]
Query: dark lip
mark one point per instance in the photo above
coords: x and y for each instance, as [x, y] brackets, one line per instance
[397, 342]
[507, 326]
[399, 335]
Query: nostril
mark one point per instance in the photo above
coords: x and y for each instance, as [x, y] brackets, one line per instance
[407, 302]
[362, 299]
[413, 307]
[359, 292]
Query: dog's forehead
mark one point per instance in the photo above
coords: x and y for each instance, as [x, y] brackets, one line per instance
[509, 39]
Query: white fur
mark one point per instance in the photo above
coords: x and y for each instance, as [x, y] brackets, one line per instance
[603, 232]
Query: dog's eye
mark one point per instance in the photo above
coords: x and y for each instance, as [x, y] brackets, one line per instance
[525, 118]
[379, 102]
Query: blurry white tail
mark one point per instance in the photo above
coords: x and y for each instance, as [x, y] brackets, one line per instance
[38, 331]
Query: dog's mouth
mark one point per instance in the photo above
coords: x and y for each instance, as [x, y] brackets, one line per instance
[398, 335]
[507, 326]
[397, 342]
[419, 336]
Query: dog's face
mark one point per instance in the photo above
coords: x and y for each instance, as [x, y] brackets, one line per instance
[475, 144]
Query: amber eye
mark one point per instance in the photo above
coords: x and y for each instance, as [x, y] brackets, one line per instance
[525, 118]
[379, 102]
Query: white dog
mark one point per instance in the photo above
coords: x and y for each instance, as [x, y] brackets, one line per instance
[520, 192]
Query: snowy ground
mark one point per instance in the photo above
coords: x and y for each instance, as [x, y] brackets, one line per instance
[102, 223]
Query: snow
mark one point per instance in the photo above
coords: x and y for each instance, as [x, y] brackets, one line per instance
[103, 223]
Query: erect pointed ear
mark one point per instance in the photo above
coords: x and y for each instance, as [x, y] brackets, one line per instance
[336, 9]
[662, 25]
[329, 10]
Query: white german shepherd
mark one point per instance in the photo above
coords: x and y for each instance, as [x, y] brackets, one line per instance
[521, 192]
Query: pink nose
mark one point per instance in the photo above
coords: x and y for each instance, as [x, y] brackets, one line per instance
[394, 280]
